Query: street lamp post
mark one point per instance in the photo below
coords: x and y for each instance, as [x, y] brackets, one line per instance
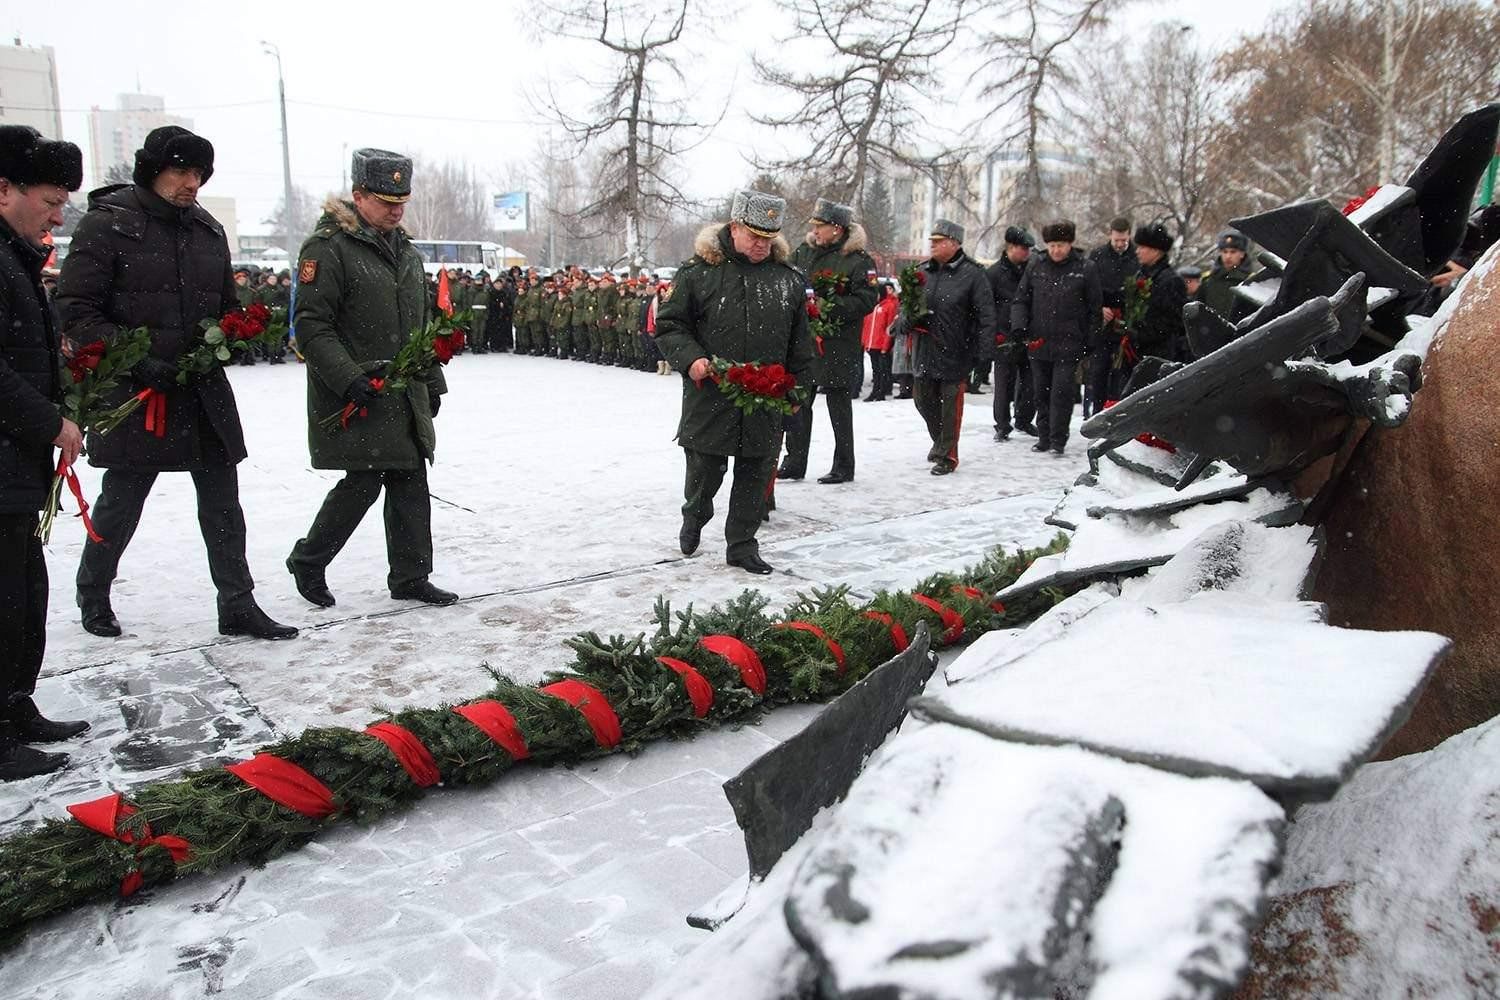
[288, 205]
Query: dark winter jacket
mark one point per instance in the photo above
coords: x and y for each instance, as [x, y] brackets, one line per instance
[1113, 269]
[839, 360]
[960, 325]
[1058, 304]
[1160, 333]
[1003, 277]
[722, 305]
[359, 297]
[137, 260]
[30, 384]
[1216, 290]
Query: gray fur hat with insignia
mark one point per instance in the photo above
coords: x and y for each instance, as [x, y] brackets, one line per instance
[759, 212]
[384, 174]
[946, 229]
[833, 213]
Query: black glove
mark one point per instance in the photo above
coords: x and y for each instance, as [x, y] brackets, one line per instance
[154, 373]
[361, 392]
[436, 402]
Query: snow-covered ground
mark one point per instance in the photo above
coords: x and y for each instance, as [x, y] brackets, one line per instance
[556, 499]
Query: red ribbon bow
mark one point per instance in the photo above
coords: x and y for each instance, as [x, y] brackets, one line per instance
[65, 470]
[156, 410]
[103, 816]
[752, 671]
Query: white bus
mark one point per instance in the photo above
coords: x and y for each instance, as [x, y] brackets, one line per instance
[468, 255]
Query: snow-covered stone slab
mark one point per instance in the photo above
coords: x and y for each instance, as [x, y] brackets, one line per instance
[1241, 557]
[1112, 483]
[951, 871]
[996, 649]
[1166, 467]
[1220, 684]
[1225, 486]
[1119, 543]
[1392, 888]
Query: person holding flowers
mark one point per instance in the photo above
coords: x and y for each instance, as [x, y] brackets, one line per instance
[738, 301]
[842, 278]
[146, 254]
[36, 175]
[361, 295]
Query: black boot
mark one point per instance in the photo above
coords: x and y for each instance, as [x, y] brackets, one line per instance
[311, 584]
[255, 623]
[751, 562]
[688, 537]
[425, 592]
[19, 761]
[99, 619]
[30, 726]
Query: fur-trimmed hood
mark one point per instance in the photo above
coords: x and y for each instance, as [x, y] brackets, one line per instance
[706, 245]
[342, 213]
[855, 240]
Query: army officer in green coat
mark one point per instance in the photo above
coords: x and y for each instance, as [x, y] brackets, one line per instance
[739, 300]
[360, 294]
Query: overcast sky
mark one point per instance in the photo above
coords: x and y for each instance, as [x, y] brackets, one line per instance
[445, 81]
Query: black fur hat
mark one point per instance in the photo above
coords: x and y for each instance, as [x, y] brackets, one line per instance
[26, 157]
[172, 146]
[1061, 231]
[1154, 235]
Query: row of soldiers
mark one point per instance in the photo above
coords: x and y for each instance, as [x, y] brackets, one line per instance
[586, 318]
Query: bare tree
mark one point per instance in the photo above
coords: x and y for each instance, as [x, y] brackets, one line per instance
[633, 128]
[1031, 81]
[859, 107]
[289, 234]
[1152, 121]
[448, 201]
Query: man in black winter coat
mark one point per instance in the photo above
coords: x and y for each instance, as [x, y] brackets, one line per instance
[1055, 309]
[1115, 261]
[959, 327]
[35, 177]
[147, 254]
[1158, 330]
[1012, 376]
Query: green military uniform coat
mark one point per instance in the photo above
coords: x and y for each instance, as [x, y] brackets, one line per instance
[840, 364]
[1216, 290]
[359, 297]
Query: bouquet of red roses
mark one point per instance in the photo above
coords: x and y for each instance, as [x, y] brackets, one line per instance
[435, 343]
[1137, 299]
[235, 332]
[93, 372]
[913, 294]
[752, 386]
[821, 303]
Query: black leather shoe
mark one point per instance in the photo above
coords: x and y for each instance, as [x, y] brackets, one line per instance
[1040, 446]
[785, 474]
[943, 468]
[687, 538]
[834, 478]
[425, 592]
[40, 729]
[1057, 451]
[18, 761]
[1027, 428]
[1003, 435]
[255, 623]
[311, 585]
[100, 620]
[751, 563]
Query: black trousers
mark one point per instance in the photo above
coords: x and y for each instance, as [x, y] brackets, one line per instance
[1012, 382]
[23, 608]
[941, 405]
[408, 522]
[880, 374]
[747, 496]
[799, 433]
[1052, 381]
[117, 513]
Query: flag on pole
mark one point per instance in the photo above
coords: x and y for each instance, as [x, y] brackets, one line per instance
[445, 297]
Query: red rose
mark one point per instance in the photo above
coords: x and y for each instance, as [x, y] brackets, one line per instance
[776, 371]
[231, 324]
[736, 375]
[1354, 203]
[1140, 284]
[1035, 345]
[921, 277]
[813, 312]
[258, 313]
[442, 348]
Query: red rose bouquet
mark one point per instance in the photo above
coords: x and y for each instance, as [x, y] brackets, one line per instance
[233, 333]
[435, 343]
[822, 303]
[913, 295]
[1137, 299]
[752, 386]
[93, 371]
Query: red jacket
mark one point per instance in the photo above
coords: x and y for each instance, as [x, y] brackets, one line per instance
[876, 335]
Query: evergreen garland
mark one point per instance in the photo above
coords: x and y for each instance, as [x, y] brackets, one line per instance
[62, 864]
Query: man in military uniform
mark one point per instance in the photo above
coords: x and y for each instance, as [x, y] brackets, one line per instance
[360, 296]
[604, 320]
[541, 316]
[560, 323]
[736, 299]
[1216, 289]
[837, 244]
[523, 316]
[147, 254]
[585, 314]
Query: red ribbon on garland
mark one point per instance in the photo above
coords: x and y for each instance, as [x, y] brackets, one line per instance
[699, 691]
[974, 594]
[596, 711]
[495, 721]
[952, 619]
[65, 470]
[811, 629]
[752, 671]
[898, 634]
[156, 410]
[285, 784]
[103, 816]
[409, 752]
